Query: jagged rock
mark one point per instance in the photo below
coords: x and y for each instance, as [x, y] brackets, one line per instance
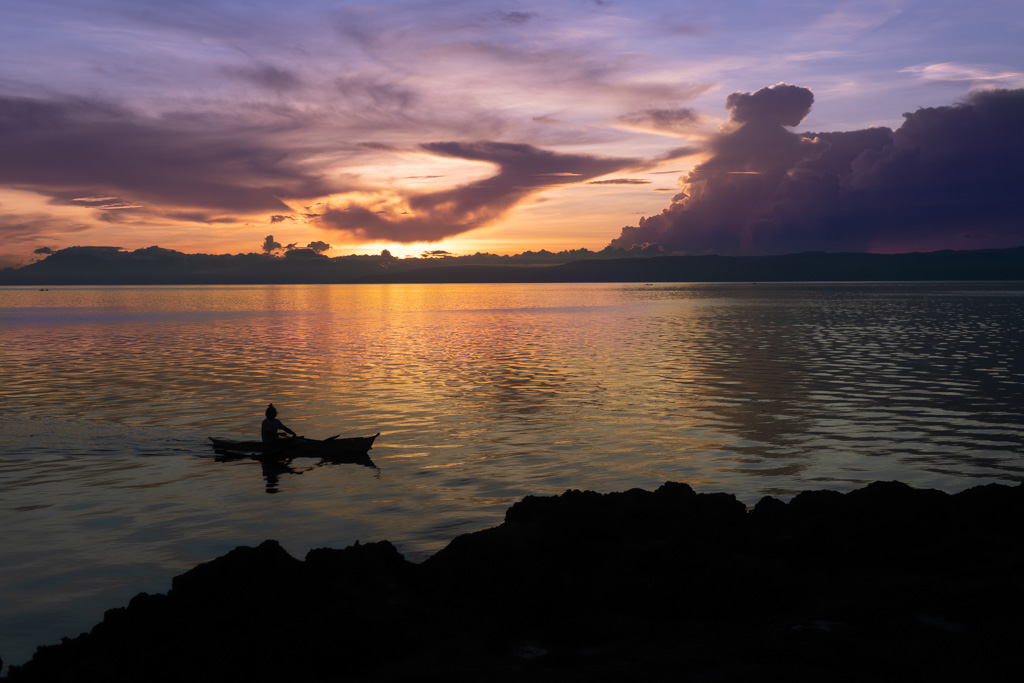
[884, 583]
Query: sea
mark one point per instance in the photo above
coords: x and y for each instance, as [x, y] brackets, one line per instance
[482, 394]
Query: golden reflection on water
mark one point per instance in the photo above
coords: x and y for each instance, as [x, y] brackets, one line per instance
[594, 365]
[483, 394]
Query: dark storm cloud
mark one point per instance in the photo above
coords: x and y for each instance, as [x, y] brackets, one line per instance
[81, 149]
[522, 171]
[783, 105]
[947, 178]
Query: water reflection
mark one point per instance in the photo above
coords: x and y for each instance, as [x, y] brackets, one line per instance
[854, 383]
[483, 393]
[761, 388]
[273, 469]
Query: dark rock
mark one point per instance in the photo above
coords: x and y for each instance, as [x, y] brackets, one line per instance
[884, 583]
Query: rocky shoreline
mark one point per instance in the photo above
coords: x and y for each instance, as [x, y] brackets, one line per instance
[885, 583]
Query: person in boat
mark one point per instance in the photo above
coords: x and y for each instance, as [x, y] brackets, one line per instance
[272, 427]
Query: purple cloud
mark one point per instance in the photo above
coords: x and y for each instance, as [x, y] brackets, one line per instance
[72, 150]
[19, 228]
[668, 120]
[946, 178]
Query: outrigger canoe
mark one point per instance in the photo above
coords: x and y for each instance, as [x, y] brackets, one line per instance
[334, 448]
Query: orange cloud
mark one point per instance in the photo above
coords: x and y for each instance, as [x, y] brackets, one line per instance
[523, 170]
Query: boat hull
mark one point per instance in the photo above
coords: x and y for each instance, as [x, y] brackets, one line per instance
[328, 449]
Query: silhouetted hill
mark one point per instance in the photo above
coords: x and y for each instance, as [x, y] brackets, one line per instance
[156, 266]
[996, 264]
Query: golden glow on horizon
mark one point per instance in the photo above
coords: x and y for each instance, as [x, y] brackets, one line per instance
[565, 217]
[571, 216]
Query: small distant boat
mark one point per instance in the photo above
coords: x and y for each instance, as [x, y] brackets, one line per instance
[350, 449]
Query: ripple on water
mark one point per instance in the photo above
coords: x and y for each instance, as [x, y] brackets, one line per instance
[484, 394]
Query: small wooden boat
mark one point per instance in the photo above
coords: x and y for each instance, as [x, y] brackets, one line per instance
[334, 449]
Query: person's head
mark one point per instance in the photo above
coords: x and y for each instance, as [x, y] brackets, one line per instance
[271, 411]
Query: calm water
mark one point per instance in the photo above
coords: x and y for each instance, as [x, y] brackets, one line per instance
[483, 394]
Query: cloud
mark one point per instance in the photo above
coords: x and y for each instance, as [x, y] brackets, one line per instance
[18, 230]
[620, 181]
[189, 217]
[90, 153]
[265, 76]
[105, 203]
[523, 170]
[946, 178]
[677, 153]
[779, 105]
[269, 245]
[375, 93]
[516, 17]
[978, 74]
[662, 120]
[19, 227]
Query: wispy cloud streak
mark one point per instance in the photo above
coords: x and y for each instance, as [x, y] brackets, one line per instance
[522, 171]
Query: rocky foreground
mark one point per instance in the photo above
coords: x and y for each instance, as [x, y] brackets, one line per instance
[886, 583]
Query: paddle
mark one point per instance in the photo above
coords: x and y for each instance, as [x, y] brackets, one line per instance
[342, 434]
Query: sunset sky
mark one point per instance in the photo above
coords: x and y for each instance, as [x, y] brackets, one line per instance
[206, 125]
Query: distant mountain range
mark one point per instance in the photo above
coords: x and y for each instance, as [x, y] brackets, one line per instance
[111, 266]
[1001, 264]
